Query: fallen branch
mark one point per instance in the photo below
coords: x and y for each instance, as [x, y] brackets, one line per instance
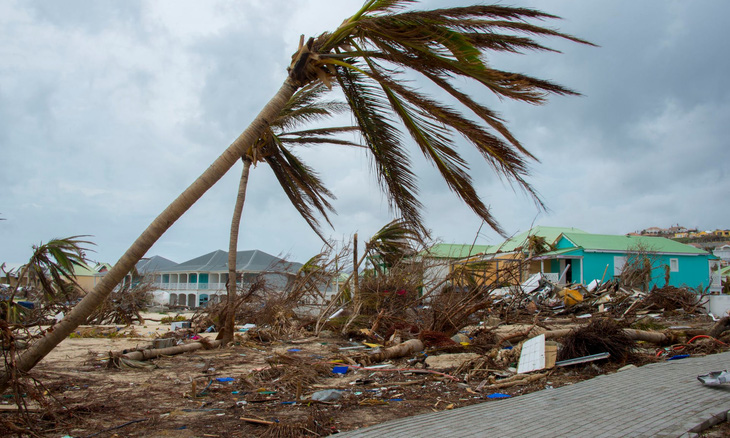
[169, 351]
[256, 421]
[515, 381]
[404, 349]
[637, 335]
[116, 427]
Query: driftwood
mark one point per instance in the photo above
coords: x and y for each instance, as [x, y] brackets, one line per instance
[408, 347]
[637, 335]
[170, 351]
[643, 335]
[517, 380]
[720, 327]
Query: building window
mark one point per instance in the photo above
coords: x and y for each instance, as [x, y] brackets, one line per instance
[618, 264]
[674, 265]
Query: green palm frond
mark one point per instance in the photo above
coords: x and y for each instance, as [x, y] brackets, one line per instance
[53, 264]
[389, 156]
[301, 183]
[394, 241]
[307, 106]
[369, 56]
[302, 186]
[320, 136]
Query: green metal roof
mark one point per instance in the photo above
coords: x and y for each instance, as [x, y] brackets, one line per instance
[84, 270]
[455, 250]
[558, 252]
[550, 234]
[607, 242]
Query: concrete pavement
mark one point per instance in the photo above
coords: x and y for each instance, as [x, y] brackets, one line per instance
[657, 400]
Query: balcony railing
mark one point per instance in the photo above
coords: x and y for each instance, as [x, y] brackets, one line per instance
[191, 286]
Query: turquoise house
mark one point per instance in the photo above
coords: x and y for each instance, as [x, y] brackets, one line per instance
[581, 257]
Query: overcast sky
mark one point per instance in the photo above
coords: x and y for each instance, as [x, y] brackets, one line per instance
[109, 109]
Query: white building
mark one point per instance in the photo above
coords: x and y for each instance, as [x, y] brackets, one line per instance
[197, 281]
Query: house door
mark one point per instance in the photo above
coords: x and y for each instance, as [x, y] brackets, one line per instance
[203, 281]
[566, 271]
[203, 300]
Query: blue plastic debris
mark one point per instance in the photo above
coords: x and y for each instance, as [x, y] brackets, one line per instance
[679, 356]
[294, 350]
[341, 369]
[224, 379]
[498, 395]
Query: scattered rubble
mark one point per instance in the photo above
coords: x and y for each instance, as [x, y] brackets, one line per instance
[376, 357]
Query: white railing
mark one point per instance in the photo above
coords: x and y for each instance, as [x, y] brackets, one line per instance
[191, 286]
[551, 276]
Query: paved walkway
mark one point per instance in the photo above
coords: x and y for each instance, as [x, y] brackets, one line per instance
[658, 400]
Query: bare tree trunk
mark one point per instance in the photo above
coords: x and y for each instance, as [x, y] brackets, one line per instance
[404, 349]
[169, 351]
[637, 335]
[153, 232]
[643, 335]
[355, 266]
[228, 326]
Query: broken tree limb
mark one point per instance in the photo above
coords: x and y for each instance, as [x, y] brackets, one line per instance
[514, 381]
[720, 327]
[637, 335]
[552, 334]
[170, 351]
[404, 349]
[653, 337]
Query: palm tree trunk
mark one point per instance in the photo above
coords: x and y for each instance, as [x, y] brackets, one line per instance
[153, 232]
[230, 312]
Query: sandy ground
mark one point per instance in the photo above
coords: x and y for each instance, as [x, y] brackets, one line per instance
[266, 381]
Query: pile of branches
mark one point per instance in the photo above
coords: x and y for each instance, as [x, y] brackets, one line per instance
[468, 294]
[248, 301]
[600, 336]
[393, 290]
[124, 306]
[673, 298]
[288, 374]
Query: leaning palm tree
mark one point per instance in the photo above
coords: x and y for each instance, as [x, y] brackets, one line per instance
[51, 266]
[301, 184]
[368, 55]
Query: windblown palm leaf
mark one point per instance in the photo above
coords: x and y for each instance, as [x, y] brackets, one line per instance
[393, 241]
[300, 182]
[368, 56]
[53, 264]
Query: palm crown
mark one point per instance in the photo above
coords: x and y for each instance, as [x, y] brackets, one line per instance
[369, 54]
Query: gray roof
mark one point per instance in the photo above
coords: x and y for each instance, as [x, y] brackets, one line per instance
[246, 261]
[154, 264]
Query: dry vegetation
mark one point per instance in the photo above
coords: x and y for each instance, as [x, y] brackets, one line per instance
[431, 346]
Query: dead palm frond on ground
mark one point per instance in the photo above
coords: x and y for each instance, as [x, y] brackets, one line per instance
[368, 56]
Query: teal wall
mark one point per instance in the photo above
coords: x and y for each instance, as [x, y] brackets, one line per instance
[693, 271]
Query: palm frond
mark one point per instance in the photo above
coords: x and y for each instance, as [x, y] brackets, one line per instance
[372, 50]
[316, 132]
[389, 158]
[302, 185]
[53, 263]
[395, 240]
[320, 136]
